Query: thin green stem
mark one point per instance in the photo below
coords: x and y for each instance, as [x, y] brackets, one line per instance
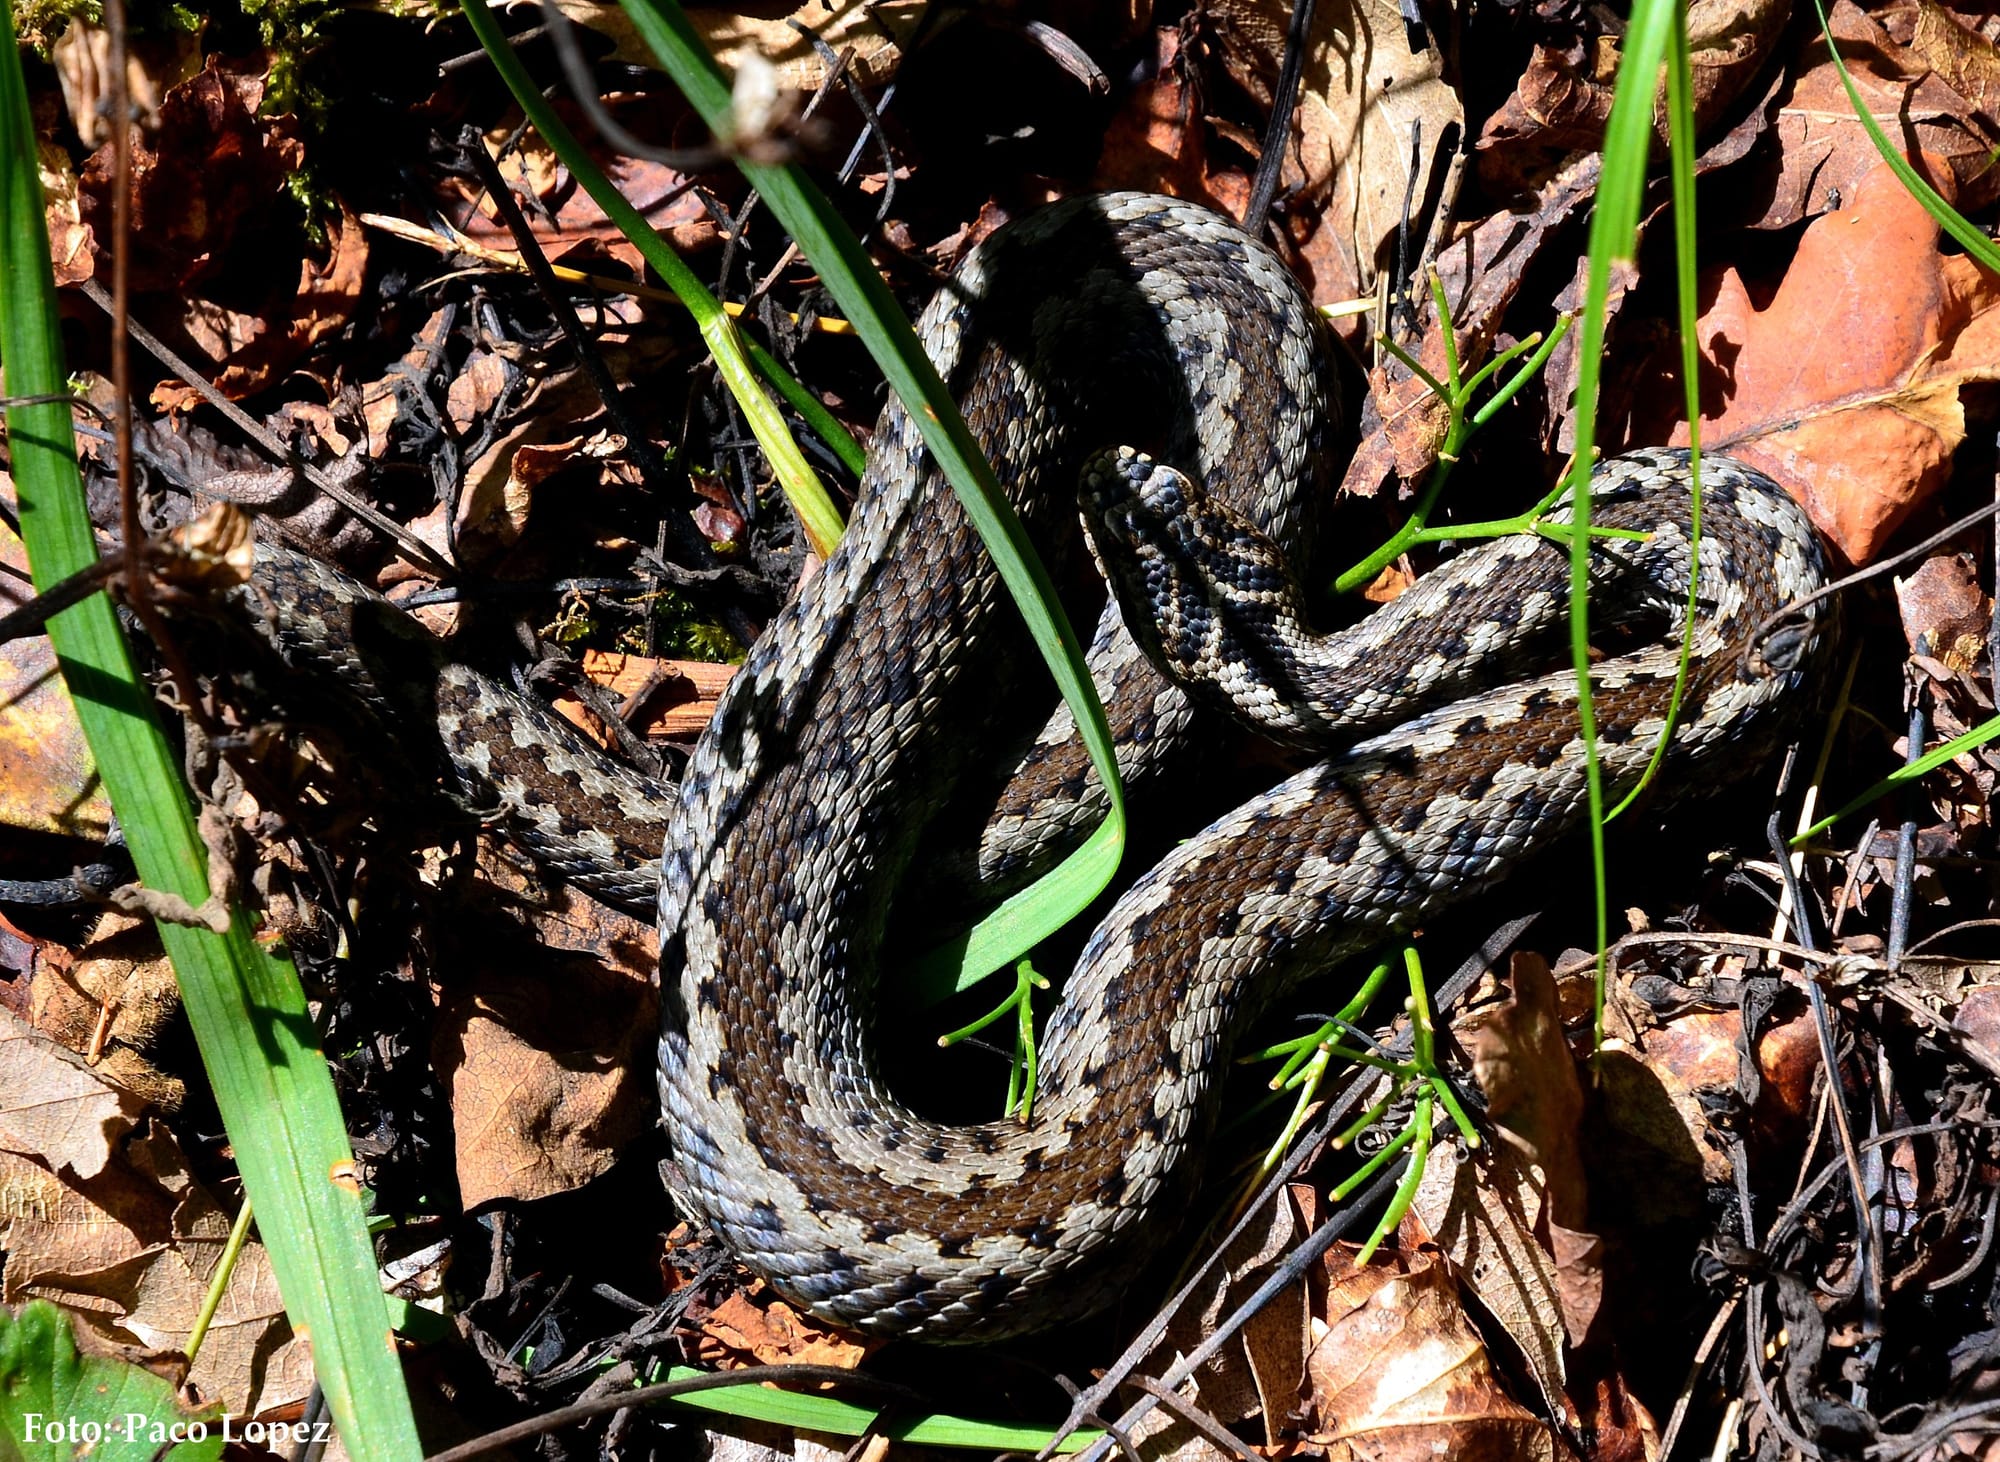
[1360, 1176]
[1613, 241]
[1680, 132]
[736, 362]
[1974, 242]
[1459, 427]
[218, 1283]
[1930, 761]
[1420, 1133]
[1370, 1117]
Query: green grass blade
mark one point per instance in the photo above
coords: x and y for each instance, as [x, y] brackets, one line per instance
[1948, 218]
[863, 297]
[845, 1419]
[244, 1002]
[1681, 140]
[738, 362]
[1929, 762]
[1614, 232]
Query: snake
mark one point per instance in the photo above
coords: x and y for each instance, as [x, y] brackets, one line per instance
[1136, 366]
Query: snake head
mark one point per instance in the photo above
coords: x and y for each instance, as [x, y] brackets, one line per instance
[1145, 535]
[1204, 593]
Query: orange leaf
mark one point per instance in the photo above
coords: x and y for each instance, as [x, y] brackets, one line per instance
[1845, 386]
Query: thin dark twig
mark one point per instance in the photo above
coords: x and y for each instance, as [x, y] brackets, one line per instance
[1829, 1050]
[312, 1438]
[871, 121]
[1801, 1204]
[1936, 1430]
[138, 589]
[666, 1391]
[1401, 296]
[32, 618]
[1195, 1417]
[1125, 1447]
[120, 101]
[412, 548]
[638, 446]
[1902, 888]
[1283, 1277]
[1754, 644]
[1066, 53]
[1980, 1250]
[474, 58]
[1754, 1350]
[54, 398]
[1264, 188]
[89, 884]
[583, 90]
[1959, 928]
[1703, 1353]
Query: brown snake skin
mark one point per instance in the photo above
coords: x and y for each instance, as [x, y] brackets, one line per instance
[829, 749]
[1125, 320]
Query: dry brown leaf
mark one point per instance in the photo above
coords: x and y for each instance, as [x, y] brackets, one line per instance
[113, 1001]
[1363, 97]
[494, 505]
[284, 330]
[156, 60]
[382, 400]
[1945, 612]
[1397, 1372]
[1485, 1216]
[1563, 98]
[740, 1332]
[1823, 150]
[1157, 141]
[475, 388]
[1842, 388]
[545, 1062]
[130, 1251]
[1964, 59]
[565, 220]
[48, 782]
[1978, 1020]
[53, 1108]
[1505, 1222]
[873, 32]
[1522, 1063]
[207, 184]
[1649, 1153]
[72, 246]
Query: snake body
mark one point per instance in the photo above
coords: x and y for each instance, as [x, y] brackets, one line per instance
[1150, 326]
[830, 747]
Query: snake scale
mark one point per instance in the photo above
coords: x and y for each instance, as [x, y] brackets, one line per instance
[1155, 329]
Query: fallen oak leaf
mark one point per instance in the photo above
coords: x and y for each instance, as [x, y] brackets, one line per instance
[1364, 94]
[1485, 1217]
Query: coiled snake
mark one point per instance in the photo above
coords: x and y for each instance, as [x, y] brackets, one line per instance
[1130, 322]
